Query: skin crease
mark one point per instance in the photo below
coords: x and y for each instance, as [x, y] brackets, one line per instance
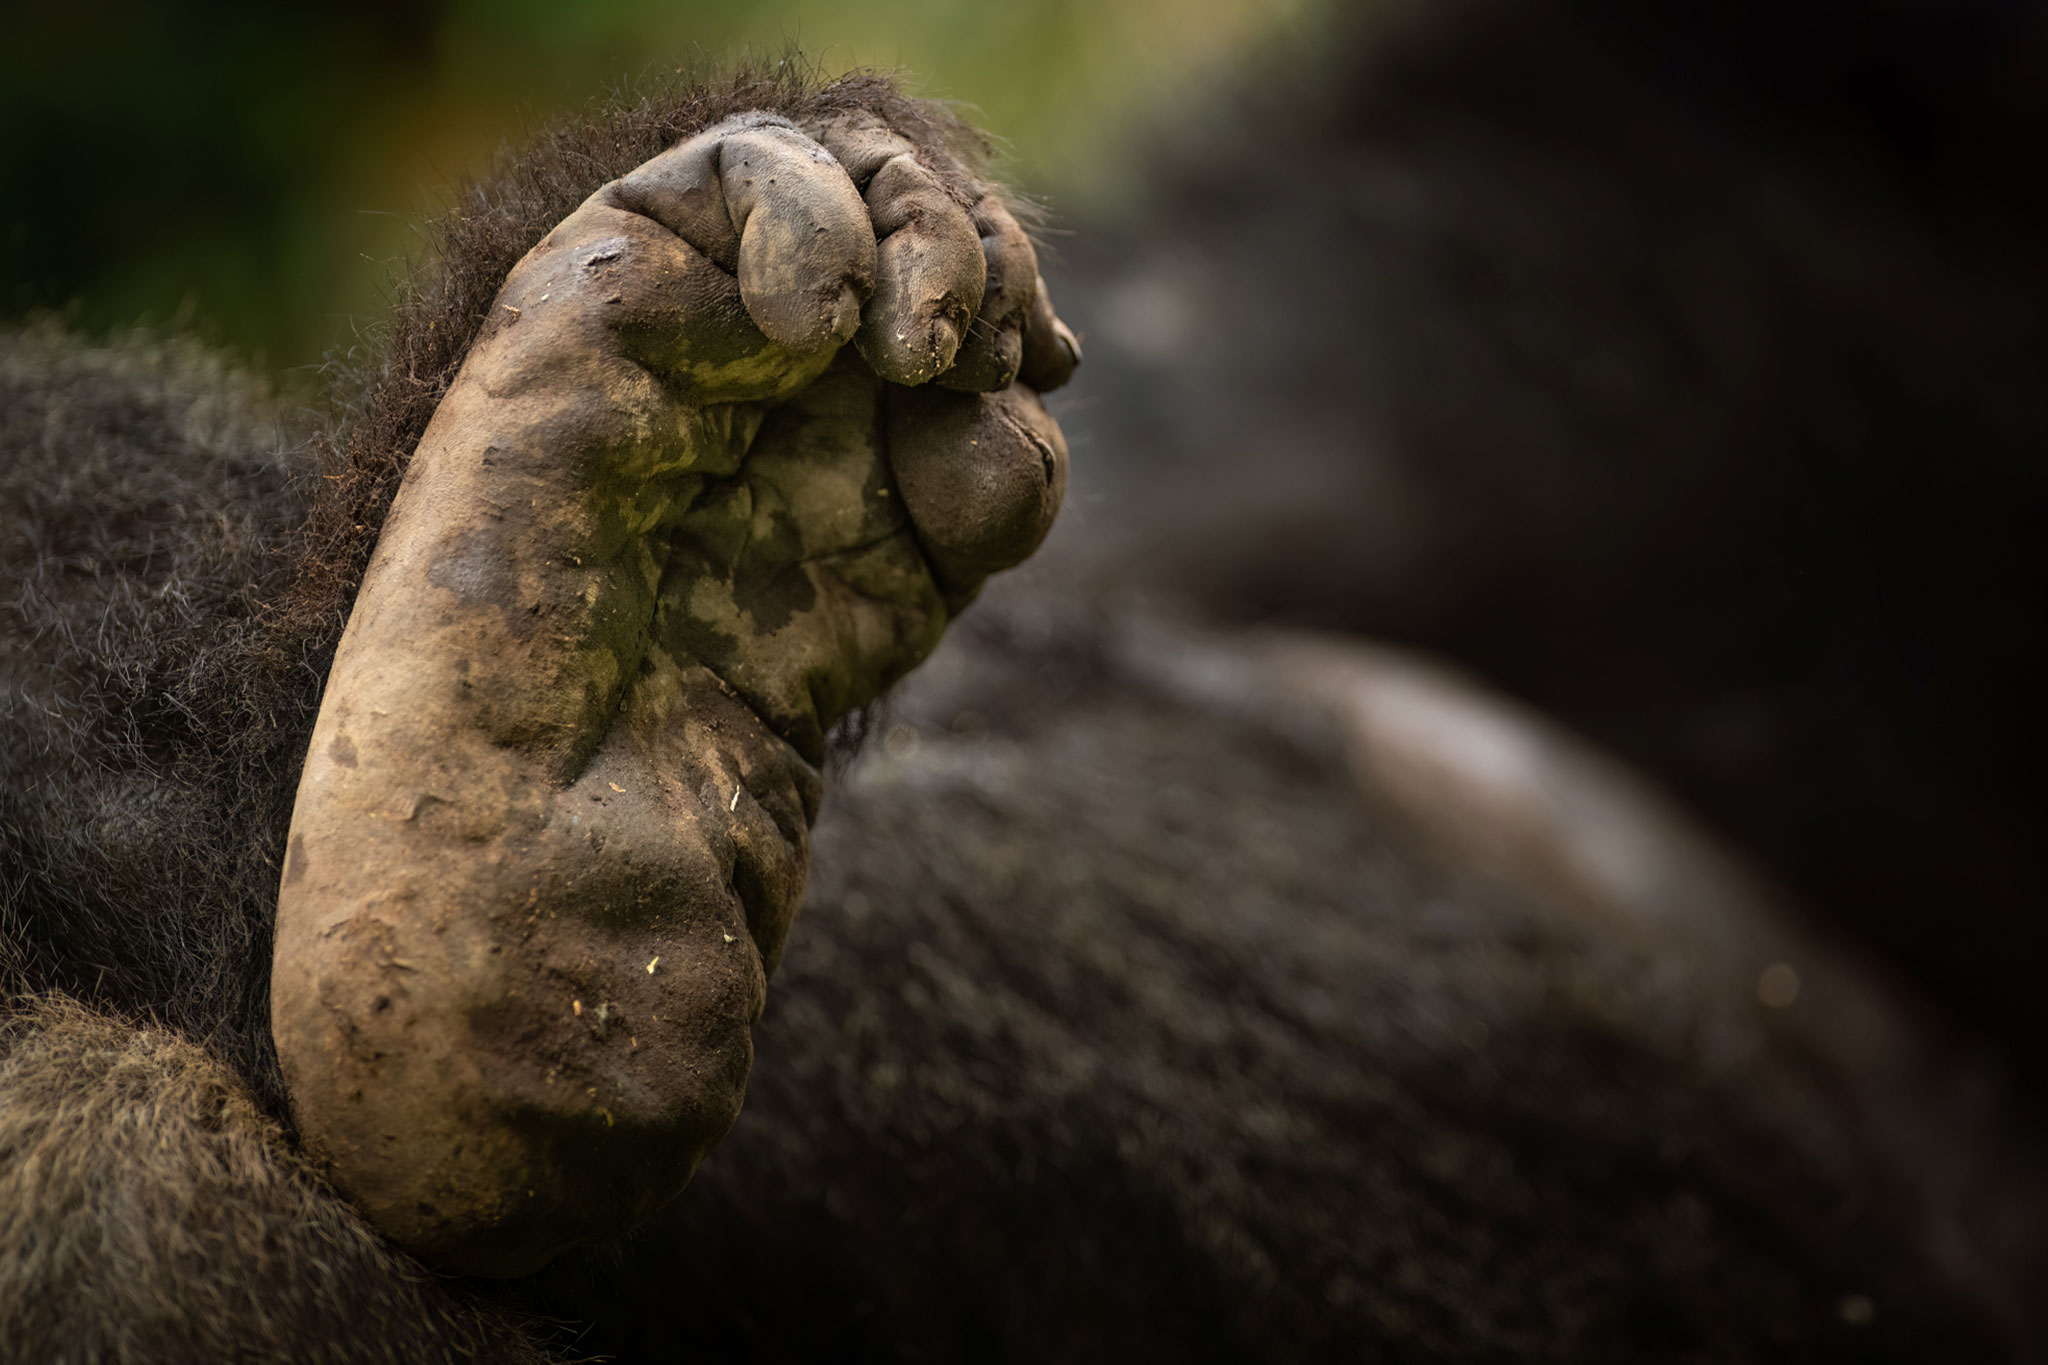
[552, 827]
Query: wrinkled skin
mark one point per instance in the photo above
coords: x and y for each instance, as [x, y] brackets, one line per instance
[664, 530]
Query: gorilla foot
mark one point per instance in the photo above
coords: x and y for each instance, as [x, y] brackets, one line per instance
[663, 530]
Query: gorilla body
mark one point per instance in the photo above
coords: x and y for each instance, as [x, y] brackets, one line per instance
[1158, 992]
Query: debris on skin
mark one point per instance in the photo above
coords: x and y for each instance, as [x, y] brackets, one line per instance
[650, 965]
[577, 1005]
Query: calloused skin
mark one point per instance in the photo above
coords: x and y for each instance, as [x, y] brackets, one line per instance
[666, 527]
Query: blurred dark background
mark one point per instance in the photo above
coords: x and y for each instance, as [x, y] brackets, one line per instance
[252, 170]
[1679, 368]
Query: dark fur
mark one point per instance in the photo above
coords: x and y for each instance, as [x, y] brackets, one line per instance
[1120, 1024]
[149, 1211]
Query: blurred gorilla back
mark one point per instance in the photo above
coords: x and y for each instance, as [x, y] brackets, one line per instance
[1678, 367]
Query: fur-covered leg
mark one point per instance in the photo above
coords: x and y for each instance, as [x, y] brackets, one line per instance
[150, 1212]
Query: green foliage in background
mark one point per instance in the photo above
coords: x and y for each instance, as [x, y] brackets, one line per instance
[252, 171]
